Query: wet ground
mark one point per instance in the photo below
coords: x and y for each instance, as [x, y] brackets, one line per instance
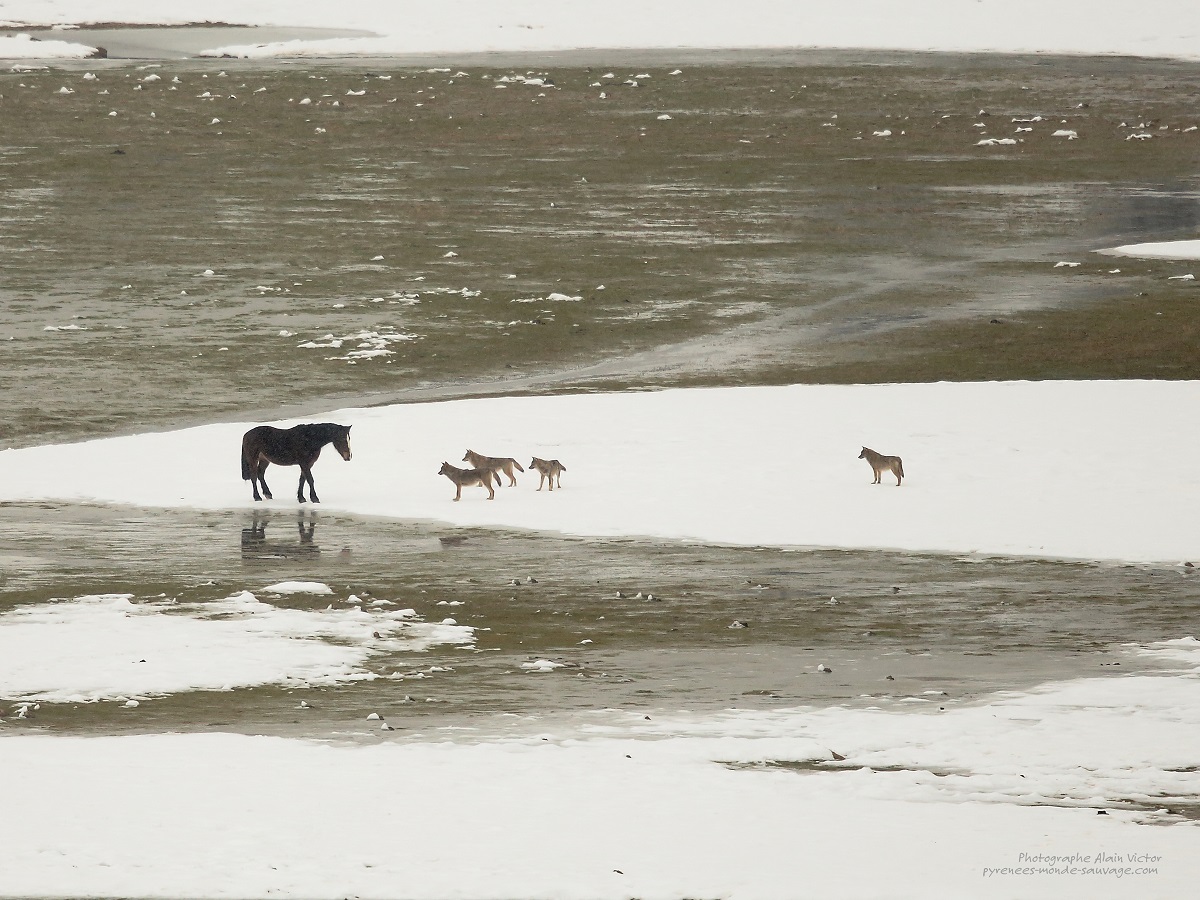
[893, 628]
[192, 240]
[189, 241]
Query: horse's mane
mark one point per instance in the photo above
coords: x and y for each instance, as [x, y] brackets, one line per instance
[327, 430]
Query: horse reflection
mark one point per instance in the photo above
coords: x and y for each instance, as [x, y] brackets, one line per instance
[256, 544]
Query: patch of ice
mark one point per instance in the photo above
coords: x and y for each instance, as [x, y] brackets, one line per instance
[105, 647]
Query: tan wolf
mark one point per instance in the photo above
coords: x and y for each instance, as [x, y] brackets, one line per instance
[468, 477]
[497, 464]
[881, 464]
[550, 469]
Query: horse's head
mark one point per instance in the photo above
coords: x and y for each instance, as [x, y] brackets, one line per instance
[341, 443]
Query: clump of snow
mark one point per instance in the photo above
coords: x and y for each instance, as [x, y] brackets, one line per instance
[299, 587]
[541, 665]
[368, 343]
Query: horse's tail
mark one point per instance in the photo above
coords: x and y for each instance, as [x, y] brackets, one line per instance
[518, 465]
[247, 469]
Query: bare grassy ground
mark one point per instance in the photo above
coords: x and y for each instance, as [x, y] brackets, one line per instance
[379, 232]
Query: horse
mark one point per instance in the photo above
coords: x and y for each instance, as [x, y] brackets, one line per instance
[299, 445]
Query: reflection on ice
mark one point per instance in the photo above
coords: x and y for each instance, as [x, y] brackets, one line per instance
[256, 546]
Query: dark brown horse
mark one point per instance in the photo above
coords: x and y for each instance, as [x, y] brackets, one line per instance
[296, 446]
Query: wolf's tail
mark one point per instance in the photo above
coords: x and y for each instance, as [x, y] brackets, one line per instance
[900, 466]
[561, 466]
[518, 465]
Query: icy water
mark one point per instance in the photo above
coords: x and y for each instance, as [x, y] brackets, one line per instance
[892, 628]
[191, 241]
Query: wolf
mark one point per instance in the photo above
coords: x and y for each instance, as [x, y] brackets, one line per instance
[550, 469]
[468, 477]
[497, 464]
[880, 464]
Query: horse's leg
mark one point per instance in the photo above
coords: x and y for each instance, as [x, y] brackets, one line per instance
[261, 473]
[306, 475]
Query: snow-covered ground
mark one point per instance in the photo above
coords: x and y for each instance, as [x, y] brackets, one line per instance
[997, 798]
[1183, 250]
[1091, 470]
[1165, 28]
